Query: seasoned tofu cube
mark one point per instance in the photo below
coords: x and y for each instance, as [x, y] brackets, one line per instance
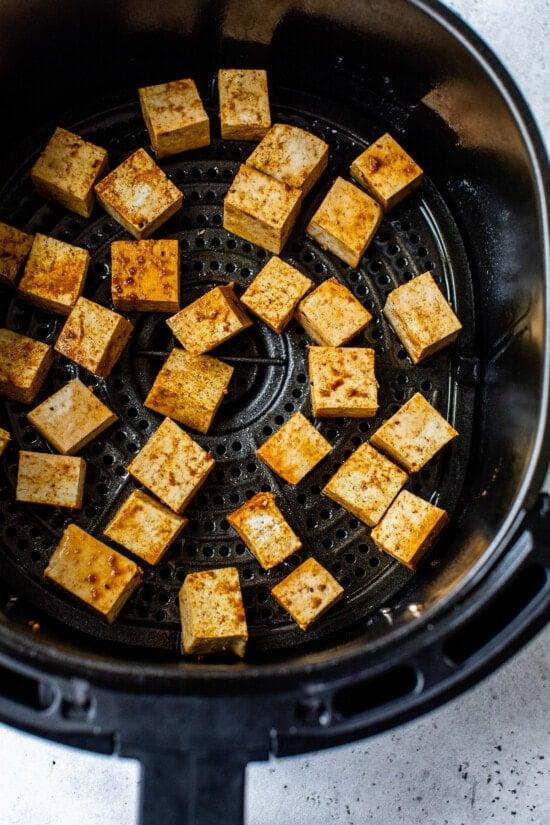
[261, 209]
[291, 155]
[213, 318]
[67, 170]
[275, 293]
[264, 530]
[57, 480]
[175, 117]
[414, 434]
[294, 450]
[331, 315]
[145, 276]
[421, 317]
[71, 417]
[386, 171]
[343, 382]
[5, 439]
[145, 527]
[345, 222]
[93, 572]
[172, 465]
[24, 364]
[14, 249]
[409, 528]
[138, 195]
[308, 592]
[94, 337]
[212, 612]
[244, 104]
[366, 484]
[54, 274]
[190, 388]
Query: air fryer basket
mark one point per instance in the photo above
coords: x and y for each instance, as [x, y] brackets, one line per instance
[398, 642]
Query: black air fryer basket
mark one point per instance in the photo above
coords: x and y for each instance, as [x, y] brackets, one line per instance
[398, 643]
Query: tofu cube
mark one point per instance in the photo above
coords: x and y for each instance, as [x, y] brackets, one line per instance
[5, 439]
[71, 418]
[212, 612]
[331, 315]
[213, 318]
[264, 530]
[291, 155]
[294, 450]
[175, 117]
[54, 274]
[190, 388]
[414, 434]
[366, 484]
[93, 572]
[275, 293]
[409, 528]
[261, 209]
[244, 104]
[145, 276]
[24, 364]
[345, 222]
[138, 195]
[93, 337]
[57, 480]
[421, 317]
[386, 171]
[144, 527]
[14, 249]
[67, 170]
[172, 466]
[308, 592]
[343, 382]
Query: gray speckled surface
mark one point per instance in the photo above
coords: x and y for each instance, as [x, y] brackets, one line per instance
[483, 758]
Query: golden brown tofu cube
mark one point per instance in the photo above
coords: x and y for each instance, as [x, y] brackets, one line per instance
[71, 417]
[409, 528]
[67, 170]
[386, 171]
[308, 592]
[57, 480]
[24, 364]
[213, 318]
[291, 155]
[172, 465]
[294, 450]
[414, 434]
[5, 439]
[331, 315]
[275, 293]
[244, 104]
[145, 527]
[94, 337]
[421, 317]
[261, 209]
[93, 572]
[212, 612]
[345, 222]
[264, 530]
[54, 274]
[14, 249]
[343, 382]
[366, 484]
[190, 388]
[138, 195]
[175, 117]
[145, 276]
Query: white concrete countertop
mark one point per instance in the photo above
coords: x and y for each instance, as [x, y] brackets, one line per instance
[482, 758]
